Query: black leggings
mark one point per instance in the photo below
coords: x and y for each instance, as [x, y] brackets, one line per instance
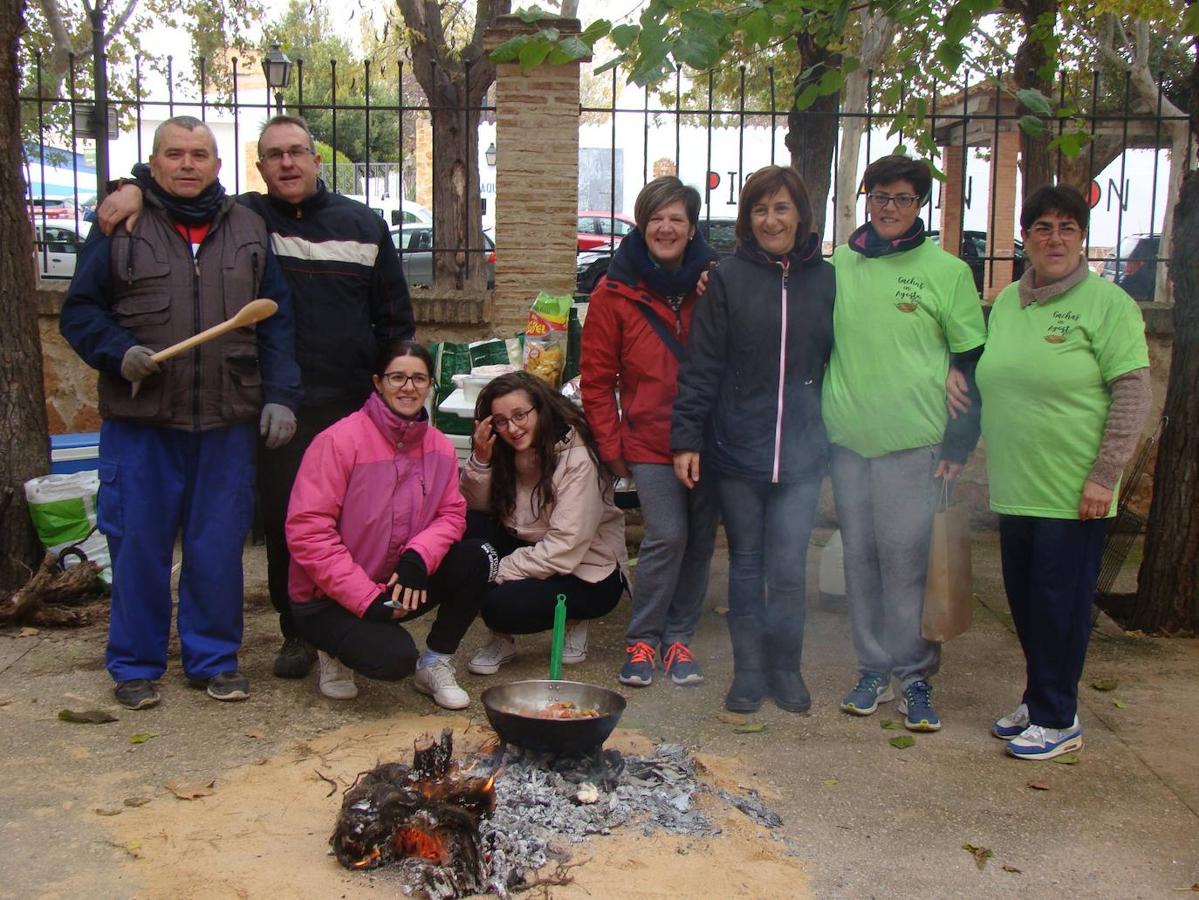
[385, 650]
[527, 606]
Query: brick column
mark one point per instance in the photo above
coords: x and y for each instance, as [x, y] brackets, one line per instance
[951, 199]
[1001, 230]
[537, 177]
[423, 163]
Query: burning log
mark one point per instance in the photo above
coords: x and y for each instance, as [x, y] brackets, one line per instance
[428, 812]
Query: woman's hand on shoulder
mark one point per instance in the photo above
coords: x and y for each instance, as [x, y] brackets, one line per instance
[686, 467]
[483, 440]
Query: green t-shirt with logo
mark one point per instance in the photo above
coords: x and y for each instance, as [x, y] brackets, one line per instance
[896, 320]
[1043, 379]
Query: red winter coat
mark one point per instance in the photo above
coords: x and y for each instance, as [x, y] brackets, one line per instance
[621, 351]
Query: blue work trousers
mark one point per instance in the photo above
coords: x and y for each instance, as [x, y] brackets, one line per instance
[153, 482]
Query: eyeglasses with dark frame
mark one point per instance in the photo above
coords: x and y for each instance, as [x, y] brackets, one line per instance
[275, 155]
[518, 418]
[396, 380]
[901, 201]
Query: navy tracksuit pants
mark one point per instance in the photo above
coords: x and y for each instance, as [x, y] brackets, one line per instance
[1050, 567]
[155, 482]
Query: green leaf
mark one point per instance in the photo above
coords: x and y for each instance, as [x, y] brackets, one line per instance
[902, 742]
[534, 52]
[980, 854]
[889, 725]
[1105, 684]
[1066, 759]
[611, 64]
[807, 97]
[1034, 101]
[1032, 126]
[958, 21]
[950, 54]
[568, 50]
[840, 17]
[751, 728]
[142, 736]
[756, 30]
[624, 36]
[697, 50]
[1119, 704]
[595, 31]
[509, 51]
[1190, 20]
[86, 716]
[829, 782]
[531, 14]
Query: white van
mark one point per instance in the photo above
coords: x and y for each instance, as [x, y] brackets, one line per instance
[390, 212]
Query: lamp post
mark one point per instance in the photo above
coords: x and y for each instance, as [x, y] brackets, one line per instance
[277, 68]
[489, 154]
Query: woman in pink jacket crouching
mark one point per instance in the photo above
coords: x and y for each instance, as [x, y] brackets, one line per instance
[375, 528]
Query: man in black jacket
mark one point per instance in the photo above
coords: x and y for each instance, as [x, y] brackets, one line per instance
[350, 298]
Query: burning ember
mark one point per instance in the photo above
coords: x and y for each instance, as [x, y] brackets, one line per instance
[446, 831]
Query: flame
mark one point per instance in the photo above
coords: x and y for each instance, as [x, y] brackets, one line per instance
[489, 784]
[415, 842]
[369, 859]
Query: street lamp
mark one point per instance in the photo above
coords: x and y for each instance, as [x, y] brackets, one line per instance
[277, 69]
[489, 154]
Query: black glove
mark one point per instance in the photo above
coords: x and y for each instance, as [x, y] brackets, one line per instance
[411, 571]
[377, 612]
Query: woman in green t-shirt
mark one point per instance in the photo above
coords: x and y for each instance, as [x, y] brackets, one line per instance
[1064, 382]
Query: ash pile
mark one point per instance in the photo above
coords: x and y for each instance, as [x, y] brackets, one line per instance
[542, 805]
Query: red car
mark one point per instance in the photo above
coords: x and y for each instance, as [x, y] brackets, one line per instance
[599, 230]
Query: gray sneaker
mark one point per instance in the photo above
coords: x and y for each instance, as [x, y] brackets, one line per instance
[872, 689]
[137, 693]
[226, 686]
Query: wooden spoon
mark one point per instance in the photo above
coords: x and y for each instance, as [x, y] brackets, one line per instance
[254, 311]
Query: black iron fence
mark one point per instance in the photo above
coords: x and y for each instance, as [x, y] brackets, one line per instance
[710, 134]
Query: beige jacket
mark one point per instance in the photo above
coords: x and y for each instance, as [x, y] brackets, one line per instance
[581, 535]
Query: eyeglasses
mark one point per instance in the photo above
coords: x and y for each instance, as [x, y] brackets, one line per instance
[397, 380]
[274, 156]
[1067, 231]
[901, 201]
[518, 419]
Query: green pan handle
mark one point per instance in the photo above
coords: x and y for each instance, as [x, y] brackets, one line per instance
[559, 639]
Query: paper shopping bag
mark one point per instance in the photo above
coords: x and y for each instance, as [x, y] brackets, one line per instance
[949, 593]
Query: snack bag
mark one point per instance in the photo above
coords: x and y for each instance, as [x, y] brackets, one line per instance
[546, 338]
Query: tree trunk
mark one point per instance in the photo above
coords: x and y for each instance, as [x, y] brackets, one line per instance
[24, 446]
[812, 133]
[1168, 588]
[1033, 70]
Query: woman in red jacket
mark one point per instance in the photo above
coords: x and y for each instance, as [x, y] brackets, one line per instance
[637, 327]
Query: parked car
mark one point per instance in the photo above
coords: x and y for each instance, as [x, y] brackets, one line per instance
[599, 230]
[1133, 264]
[50, 208]
[592, 265]
[415, 243]
[56, 245]
[974, 253]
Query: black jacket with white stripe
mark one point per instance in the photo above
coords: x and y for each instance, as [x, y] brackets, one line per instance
[348, 289]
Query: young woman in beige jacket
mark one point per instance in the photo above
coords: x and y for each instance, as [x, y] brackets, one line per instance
[539, 494]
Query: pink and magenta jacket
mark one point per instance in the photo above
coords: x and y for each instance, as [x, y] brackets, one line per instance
[370, 487]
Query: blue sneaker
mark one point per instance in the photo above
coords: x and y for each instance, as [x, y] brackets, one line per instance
[872, 689]
[916, 707]
[1037, 742]
[638, 669]
[1011, 725]
[681, 666]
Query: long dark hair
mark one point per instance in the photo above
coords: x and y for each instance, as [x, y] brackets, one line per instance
[555, 417]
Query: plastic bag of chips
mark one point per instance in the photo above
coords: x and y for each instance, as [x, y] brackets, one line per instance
[546, 338]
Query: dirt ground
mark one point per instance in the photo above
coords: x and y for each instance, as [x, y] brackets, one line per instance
[87, 810]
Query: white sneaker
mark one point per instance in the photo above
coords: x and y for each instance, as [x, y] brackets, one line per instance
[336, 681]
[1039, 742]
[488, 658]
[1011, 725]
[437, 681]
[574, 648]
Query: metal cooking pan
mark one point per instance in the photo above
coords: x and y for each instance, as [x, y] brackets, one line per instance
[508, 705]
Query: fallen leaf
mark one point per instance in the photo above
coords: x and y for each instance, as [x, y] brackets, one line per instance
[889, 724]
[86, 716]
[1105, 684]
[980, 854]
[829, 782]
[720, 610]
[1038, 785]
[27, 631]
[902, 742]
[1119, 704]
[4, 701]
[751, 728]
[262, 761]
[191, 790]
[255, 734]
[142, 736]
[1013, 870]
[1066, 759]
[732, 718]
[109, 811]
[135, 802]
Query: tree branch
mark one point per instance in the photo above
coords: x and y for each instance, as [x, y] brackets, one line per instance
[61, 49]
[115, 28]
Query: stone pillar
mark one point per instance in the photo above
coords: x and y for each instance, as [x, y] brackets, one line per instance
[1001, 231]
[951, 199]
[537, 176]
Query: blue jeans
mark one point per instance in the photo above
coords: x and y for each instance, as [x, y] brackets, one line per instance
[768, 528]
[155, 482]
